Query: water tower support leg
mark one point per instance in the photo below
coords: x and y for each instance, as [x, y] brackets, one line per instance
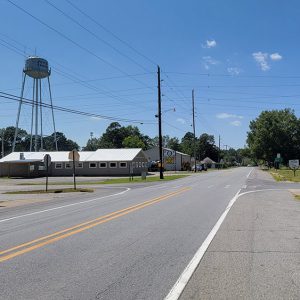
[32, 115]
[53, 120]
[41, 115]
[36, 115]
[19, 112]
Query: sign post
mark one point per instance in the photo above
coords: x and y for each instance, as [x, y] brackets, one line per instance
[294, 165]
[47, 163]
[74, 156]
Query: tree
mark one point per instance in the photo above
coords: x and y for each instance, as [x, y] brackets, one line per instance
[92, 145]
[276, 131]
[187, 143]
[206, 147]
[63, 143]
[174, 144]
[22, 140]
[133, 142]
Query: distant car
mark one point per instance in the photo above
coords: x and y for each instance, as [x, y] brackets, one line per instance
[199, 167]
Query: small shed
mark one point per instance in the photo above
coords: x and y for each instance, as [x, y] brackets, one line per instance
[209, 162]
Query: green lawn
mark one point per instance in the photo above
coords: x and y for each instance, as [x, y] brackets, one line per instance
[139, 179]
[136, 179]
[50, 191]
[285, 175]
[297, 197]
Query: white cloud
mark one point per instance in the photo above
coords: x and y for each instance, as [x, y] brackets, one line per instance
[234, 70]
[209, 44]
[208, 61]
[262, 60]
[275, 56]
[236, 123]
[180, 120]
[228, 116]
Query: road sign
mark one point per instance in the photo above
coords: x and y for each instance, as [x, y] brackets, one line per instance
[169, 153]
[76, 156]
[294, 163]
[47, 160]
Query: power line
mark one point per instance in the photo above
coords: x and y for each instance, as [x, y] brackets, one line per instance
[75, 43]
[111, 33]
[234, 76]
[68, 110]
[95, 35]
[83, 82]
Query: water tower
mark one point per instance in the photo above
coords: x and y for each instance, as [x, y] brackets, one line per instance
[38, 69]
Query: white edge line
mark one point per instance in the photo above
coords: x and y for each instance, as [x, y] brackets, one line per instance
[186, 275]
[250, 173]
[63, 206]
[179, 286]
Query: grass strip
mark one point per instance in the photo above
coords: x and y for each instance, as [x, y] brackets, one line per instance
[115, 180]
[50, 191]
[285, 175]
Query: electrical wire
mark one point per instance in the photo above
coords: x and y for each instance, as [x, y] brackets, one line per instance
[69, 110]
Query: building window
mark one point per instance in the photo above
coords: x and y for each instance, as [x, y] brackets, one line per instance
[123, 165]
[140, 164]
[58, 166]
[103, 165]
[143, 165]
[93, 165]
[113, 165]
[68, 165]
[133, 164]
[79, 165]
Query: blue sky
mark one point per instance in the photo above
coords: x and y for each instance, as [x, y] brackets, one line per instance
[241, 57]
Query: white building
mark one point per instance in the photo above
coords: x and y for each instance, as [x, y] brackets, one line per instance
[102, 162]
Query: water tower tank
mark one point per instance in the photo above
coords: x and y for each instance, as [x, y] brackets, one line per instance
[36, 67]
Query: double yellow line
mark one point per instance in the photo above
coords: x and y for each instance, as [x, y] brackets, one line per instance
[59, 235]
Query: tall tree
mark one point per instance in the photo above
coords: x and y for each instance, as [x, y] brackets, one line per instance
[187, 143]
[276, 131]
[133, 142]
[63, 143]
[206, 147]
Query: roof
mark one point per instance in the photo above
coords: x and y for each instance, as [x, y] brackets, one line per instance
[208, 160]
[58, 156]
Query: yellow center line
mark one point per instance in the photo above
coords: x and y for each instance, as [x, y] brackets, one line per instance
[59, 235]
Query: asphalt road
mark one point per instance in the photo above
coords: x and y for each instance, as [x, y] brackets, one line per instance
[117, 243]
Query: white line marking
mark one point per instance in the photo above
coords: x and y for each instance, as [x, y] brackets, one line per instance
[250, 173]
[63, 206]
[179, 286]
[210, 186]
[186, 275]
[227, 186]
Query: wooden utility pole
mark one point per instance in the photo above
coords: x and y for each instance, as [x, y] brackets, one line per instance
[161, 175]
[194, 130]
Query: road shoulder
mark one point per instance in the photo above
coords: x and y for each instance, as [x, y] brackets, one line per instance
[255, 254]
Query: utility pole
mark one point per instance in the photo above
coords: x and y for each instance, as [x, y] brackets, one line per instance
[194, 130]
[161, 175]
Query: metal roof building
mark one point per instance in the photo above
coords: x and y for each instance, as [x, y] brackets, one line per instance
[172, 160]
[102, 162]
